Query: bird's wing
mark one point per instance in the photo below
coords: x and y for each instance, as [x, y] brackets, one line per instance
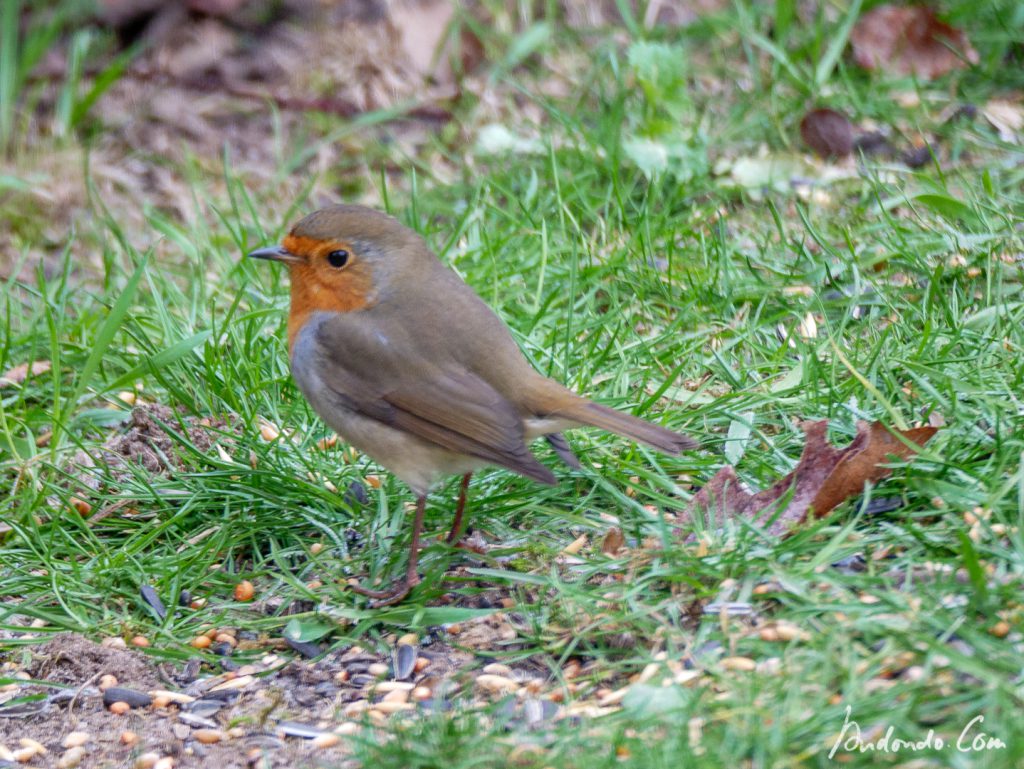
[373, 369]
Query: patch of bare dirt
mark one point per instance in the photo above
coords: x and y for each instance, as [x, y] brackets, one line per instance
[212, 69]
[268, 711]
[146, 441]
[73, 660]
[215, 78]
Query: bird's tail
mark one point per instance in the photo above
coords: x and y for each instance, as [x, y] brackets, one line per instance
[629, 426]
[576, 409]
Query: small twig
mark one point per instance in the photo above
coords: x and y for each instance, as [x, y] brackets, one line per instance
[74, 699]
[193, 541]
[165, 677]
[107, 511]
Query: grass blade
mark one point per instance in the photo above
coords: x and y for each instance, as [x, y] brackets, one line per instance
[835, 49]
[106, 334]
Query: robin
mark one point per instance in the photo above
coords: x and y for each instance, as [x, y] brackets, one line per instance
[408, 364]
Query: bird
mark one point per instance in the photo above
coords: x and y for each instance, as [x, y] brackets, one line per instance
[401, 358]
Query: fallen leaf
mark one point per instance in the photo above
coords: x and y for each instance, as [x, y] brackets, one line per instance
[768, 172]
[675, 155]
[1007, 118]
[20, 373]
[738, 436]
[905, 41]
[421, 27]
[433, 46]
[202, 46]
[827, 132]
[824, 477]
[807, 328]
[645, 700]
[613, 541]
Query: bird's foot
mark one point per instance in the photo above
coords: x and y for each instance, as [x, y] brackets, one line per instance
[394, 594]
[472, 543]
[399, 590]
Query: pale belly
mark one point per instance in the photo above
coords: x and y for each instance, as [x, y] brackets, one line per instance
[416, 462]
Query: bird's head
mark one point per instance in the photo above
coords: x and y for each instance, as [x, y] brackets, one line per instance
[343, 258]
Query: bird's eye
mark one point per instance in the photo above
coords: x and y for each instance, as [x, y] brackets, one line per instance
[337, 258]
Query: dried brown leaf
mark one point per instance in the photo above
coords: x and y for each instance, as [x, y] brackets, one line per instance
[613, 541]
[911, 40]
[823, 478]
[827, 132]
[425, 36]
[1007, 118]
[21, 372]
[198, 48]
[422, 27]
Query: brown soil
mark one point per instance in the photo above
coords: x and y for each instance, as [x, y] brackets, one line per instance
[258, 721]
[215, 76]
[71, 659]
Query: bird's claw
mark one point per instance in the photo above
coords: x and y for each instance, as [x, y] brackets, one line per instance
[395, 594]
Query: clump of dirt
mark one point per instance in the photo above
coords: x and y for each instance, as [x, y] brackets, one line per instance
[72, 659]
[146, 441]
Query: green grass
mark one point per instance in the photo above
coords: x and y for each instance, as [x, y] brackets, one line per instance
[675, 294]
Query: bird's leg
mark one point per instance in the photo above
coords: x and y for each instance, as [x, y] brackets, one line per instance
[400, 589]
[460, 508]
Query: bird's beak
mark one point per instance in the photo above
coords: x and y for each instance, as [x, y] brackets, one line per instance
[275, 253]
